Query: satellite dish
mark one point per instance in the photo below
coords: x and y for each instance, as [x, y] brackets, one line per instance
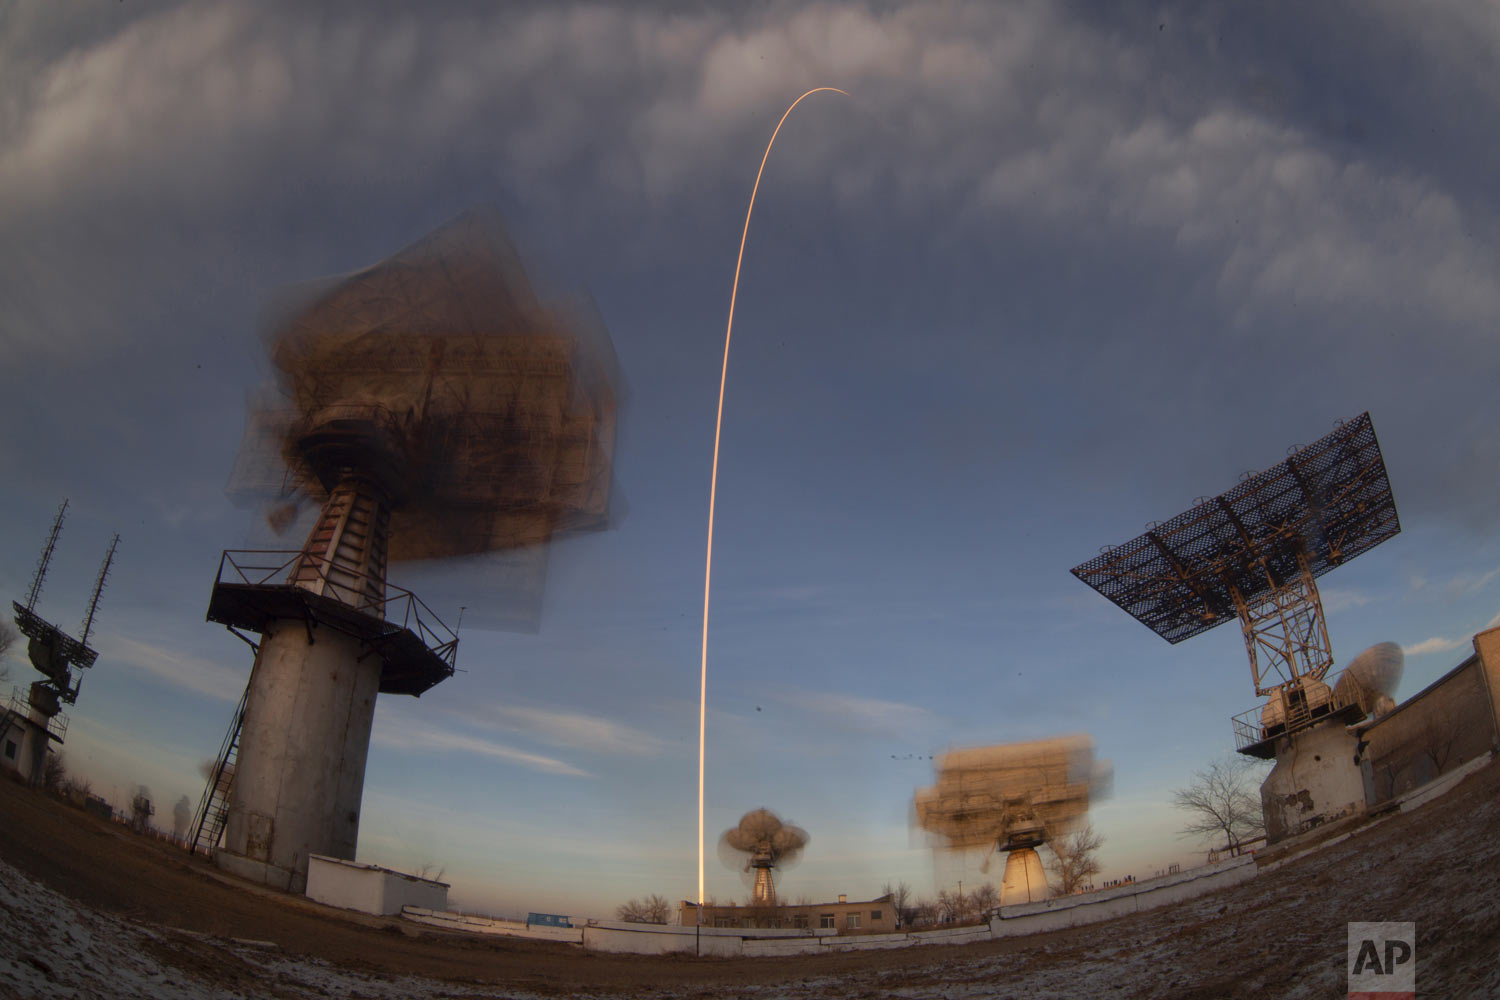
[760, 844]
[1372, 677]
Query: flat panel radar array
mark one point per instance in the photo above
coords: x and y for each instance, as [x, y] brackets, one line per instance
[1253, 553]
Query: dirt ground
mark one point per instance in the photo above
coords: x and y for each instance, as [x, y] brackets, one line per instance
[92, 910]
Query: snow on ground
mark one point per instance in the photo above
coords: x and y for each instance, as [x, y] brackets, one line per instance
[53, 948]
[1282, 934]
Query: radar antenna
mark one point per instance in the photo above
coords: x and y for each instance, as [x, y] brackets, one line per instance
[41, 566]
[1254, 554]
[88, 620]
[757, 846]
[1014, 798]
[431, 406]
[55, 654]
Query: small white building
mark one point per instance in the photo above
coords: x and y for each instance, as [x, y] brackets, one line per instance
[25, 736]
[370, 888]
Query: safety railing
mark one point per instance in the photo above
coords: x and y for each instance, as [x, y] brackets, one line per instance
[1252, 726]
[399, 606]
[20, 707]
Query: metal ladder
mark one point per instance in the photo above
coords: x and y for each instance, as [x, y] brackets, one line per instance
[213, 807]
[345, 555]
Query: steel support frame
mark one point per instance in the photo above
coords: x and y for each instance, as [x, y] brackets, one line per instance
[1285, 633]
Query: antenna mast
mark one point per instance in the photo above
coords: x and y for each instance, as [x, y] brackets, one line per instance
[41, 566]
[88, 621]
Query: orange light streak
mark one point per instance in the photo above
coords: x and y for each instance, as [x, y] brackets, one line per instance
[713, 482]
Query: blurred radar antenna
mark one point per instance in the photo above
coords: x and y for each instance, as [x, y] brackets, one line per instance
[1253, 555]
[430, 406]
[759, 845]
[1012, 797]
[56, 655]
[713, 481]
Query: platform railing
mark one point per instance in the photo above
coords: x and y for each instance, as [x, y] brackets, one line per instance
[272, 567]
[1249, 730]
[20, 707]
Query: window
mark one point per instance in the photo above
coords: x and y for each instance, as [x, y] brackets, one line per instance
[10, 749]
[826, 920]
[723, 921]
[799, 920]
[851, 921]
[875, 914]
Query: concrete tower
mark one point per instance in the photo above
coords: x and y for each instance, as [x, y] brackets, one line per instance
[432, 407]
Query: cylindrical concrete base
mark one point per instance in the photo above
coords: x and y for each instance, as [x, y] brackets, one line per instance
[300, 771]
[1024, 881]
[1315, 780]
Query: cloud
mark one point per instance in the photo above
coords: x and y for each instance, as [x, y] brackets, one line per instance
[198, 675]
[1466, 583]
[1018, 113]
[866, 715]
[574, 730]
[1436, 644]
[1336, 600]
[398, 730]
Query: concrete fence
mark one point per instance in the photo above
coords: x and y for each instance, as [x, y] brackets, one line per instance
[1009, 921]
[1073, 911]
[734, 942]
[473, 924]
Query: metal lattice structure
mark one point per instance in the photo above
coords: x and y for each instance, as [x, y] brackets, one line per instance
[485, 414]
[415, 648]
[53, 652]
[1254, 553]
[1012, 796]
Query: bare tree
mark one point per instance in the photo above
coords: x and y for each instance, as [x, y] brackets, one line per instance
[924, 913]
[1220, 800]
[1439, 737]
[955, 907]
[901, 900]
[1386, 775]
[77, 790]
[1075, 859]
[984, 898]
[54, 773]
[652, 909]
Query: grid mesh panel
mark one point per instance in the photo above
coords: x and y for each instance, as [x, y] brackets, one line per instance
[1331, 500]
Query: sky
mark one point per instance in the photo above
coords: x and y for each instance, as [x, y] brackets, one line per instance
[1050, 272]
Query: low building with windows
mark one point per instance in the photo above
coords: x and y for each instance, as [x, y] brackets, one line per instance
[875, 916]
